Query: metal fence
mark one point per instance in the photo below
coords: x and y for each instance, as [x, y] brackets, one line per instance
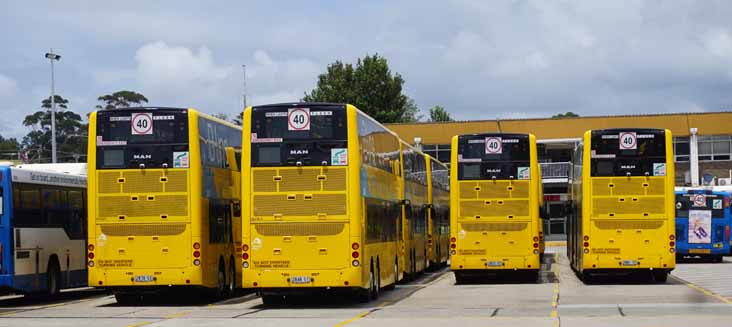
[555, 169]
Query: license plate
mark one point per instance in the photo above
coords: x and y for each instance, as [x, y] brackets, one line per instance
[300, 280]
[144, 278]
[494, 263]
[630, 262]
[699, 251]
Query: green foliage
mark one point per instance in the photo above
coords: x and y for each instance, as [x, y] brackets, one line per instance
[567, 114]
[438, 113]
[70, 133]
[9, 148]
[239, 119]
[370, 86]
[121, 99]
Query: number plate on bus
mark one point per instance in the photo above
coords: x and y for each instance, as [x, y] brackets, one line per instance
[494, 263]
[699, 251]
[144, 278]
[630, 262]
[300, 279]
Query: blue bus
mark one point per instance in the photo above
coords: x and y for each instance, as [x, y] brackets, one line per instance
[42, 228]
[702, 223]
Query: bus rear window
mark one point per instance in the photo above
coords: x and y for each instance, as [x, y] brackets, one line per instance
[712, 202]
[488, 156]
[308, 135]
[636, 152]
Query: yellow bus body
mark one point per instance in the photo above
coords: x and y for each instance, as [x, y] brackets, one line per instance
[306, 223]
[625, 218]
[145, 222]
[438, 215]
[495, 223]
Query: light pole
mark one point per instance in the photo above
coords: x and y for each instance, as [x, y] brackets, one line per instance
[51, 57]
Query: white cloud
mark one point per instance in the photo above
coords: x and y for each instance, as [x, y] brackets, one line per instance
[718, 42]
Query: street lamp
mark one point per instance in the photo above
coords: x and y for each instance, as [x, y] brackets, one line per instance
[51, 57]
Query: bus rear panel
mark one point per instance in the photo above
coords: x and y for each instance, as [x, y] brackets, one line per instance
[703, 224]
[496, 198]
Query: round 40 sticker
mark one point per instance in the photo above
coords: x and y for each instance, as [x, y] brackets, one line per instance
[298, 119]
[142, 123]
[628, 141]
[493, 145]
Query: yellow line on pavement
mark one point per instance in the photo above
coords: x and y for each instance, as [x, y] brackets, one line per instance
[177, 315]
[709, 293]
[555, 296]
[357, 317]
[140, 324]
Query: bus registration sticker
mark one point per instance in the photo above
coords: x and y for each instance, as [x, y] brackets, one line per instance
[717, 204]
[628, 141]
[181, 159]
[524, 173]
[659, 169]
[338, 157]
[142, 123]
[298, 119]
[700, 226]
[493, 145]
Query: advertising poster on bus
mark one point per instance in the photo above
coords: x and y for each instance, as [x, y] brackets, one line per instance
[700, 226]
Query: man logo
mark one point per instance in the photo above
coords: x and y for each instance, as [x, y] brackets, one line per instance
[297, 151]
[142, 156]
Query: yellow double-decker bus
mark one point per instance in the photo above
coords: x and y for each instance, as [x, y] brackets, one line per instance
[415, 211]
[623, 217]
[496, 205]
[438, 222]
[321, 191]
[164, 201]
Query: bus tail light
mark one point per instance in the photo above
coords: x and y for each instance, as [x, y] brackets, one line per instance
[536, 251]
[586, 244]
[196, 254]
[453, 246]
[671, 237]
[354, 254]
[726, 235]
[672, 244]
[536, 238]
[536, 245]
[245, 264]
[672, 250]
[355, 246]
[196, 246]
[452, 252]
[245, 256]
[245, 247]
[91, 264]
[726, 203]
[355, 263]
[586, 238]
[586, 251]
[91, 247]
[90, 255]
[197, 262]
[453, 240]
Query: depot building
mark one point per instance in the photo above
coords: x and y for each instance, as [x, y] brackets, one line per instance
[710, 133]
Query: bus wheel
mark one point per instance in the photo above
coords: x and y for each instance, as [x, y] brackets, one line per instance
[660, 276]
[587, 278]
[396, 276]
[377, 280]
[365, 295]
[221, 281]
[232, 278]
[272, 300]
[53, 279]
[717, 258]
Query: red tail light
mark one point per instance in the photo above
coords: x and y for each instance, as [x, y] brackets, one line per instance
[91, 255]
[586, 244]
[196, 254]
[355, 246]
[245, 248]
[672, 244]
[245, 256]
[536, 245]
[354, 254]
[726, 202]
[453, 245]
[91, 247]
[726, 234]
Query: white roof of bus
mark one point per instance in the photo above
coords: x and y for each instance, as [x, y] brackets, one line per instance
[31, 175]
[63, 168]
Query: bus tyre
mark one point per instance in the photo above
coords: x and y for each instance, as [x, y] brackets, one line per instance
[460, 278]
[53, 279]
[232, 278]
[717, 258]
[377, 280]
[221, 281]
[660, 276]
[365, 295]
[587, 278]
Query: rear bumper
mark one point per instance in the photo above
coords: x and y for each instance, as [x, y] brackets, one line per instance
[619, 262]
[319, 279]
[461, 262]
[161, 277]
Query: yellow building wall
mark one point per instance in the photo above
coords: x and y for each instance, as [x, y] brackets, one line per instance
[716, 123]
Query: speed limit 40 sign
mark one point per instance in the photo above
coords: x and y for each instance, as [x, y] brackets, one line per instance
[628, 141]
[142, 123]
[298, 119]
[493, 145]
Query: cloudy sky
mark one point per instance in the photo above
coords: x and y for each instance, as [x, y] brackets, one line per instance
[479, 59]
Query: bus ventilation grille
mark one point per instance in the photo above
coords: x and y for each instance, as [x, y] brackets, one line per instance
[299, 229]
[619, 224]
[143, 230]
[494, 227]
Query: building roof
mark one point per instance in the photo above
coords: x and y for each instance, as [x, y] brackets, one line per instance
[707, 123]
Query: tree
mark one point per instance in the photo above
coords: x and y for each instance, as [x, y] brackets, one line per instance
[438, 113]
[121, 99]
[9, 148]
[70, 133]
[370, 86]
[567, 114]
